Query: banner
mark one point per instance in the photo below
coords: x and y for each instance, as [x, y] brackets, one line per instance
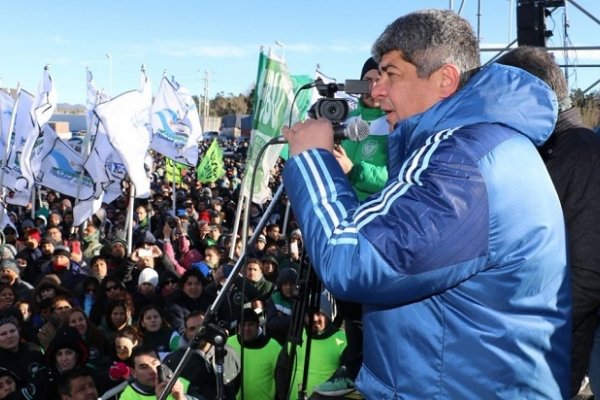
[126, 119]
[176, 125]
[271, 112]
[211, 167]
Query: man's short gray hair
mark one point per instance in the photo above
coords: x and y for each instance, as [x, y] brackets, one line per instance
[428, 39]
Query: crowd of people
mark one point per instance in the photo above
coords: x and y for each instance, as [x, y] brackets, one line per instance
[74, 297]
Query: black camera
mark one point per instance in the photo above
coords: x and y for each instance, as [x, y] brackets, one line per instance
[171, 221]
[335, 109]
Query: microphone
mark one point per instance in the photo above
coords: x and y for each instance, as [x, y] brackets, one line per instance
[357, 131]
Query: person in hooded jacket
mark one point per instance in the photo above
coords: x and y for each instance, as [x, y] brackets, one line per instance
[445, 260]
[66, 351]
[190, 296]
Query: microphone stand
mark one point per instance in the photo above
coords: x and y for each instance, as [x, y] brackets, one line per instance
[204, 330]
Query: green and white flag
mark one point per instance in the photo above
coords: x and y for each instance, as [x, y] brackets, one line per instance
[211, 166]
[274, 97]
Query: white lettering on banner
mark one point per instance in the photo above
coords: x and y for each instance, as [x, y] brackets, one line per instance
[274, 100]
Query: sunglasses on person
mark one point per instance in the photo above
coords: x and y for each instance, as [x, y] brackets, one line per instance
[170, 282]
[111, 288]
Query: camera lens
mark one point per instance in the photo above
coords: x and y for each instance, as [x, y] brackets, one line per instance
[335, 110]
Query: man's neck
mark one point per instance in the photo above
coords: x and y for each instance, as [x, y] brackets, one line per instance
[149, 390]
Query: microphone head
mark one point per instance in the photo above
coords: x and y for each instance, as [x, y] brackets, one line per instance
[357, 130]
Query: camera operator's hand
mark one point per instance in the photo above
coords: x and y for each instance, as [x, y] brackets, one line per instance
[177, 392]
[342, 158]
[310, 134]
[167, 230]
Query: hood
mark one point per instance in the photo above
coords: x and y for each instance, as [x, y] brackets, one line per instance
[497, 94]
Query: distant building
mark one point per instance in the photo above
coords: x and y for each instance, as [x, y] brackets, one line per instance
[76, 122]
[236, 125]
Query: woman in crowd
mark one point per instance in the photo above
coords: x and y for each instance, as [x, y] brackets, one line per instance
[190, 297]
[8, 296]
[156, 331]
[96, 341]
[118, 315]
[111, 288]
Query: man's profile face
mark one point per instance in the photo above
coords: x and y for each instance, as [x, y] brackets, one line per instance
[144, 369]
[191, 326]
[400, 91]
[82, 388]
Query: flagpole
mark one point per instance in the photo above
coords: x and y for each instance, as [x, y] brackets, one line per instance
[4, 161]
[130, 218]
[33, 202]
[236, 225]
[174, 187]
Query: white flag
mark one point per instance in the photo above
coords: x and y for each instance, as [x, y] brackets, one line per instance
[7, 103]
[24, 126]
[99, 161]
[106, 170]
[175, 123]
[44, 105]
[126, 119]
[60, 167]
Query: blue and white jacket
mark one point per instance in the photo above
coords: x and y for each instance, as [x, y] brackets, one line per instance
[460, 262]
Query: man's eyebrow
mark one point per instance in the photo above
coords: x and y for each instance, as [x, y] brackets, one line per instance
[386, 68]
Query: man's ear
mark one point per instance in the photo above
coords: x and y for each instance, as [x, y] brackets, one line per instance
[449, 80]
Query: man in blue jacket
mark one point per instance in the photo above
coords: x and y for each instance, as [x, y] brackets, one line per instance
[460, 262]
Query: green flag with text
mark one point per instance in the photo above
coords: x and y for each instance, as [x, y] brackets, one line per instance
[274, 97]
[211, 166]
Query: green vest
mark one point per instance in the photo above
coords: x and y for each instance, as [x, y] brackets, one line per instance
[130, 393]
[325, 355]
[258, 369]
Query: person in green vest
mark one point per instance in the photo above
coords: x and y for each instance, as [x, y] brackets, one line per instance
[328, 344]
[259, 358]
[365, 162]
[145, 384]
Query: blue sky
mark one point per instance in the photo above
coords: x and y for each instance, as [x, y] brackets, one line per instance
[188, 37]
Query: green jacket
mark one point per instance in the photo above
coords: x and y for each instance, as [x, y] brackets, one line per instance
[370, 156]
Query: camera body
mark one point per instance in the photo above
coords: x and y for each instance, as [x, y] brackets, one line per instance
[334, 109]
[164, 373]
[171, 221]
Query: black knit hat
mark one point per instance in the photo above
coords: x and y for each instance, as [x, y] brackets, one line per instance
[369, 65]
[68, 337]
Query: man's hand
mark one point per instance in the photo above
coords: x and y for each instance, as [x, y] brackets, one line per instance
[342, 158]
[310, 134]
[177, 391]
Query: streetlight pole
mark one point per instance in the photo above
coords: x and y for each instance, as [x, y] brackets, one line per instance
[109, 73]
